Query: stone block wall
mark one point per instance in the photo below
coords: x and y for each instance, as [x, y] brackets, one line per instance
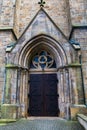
[9, 111]
[11, 85]
[80, 34]
[6, 37]
[78, 11]
[76, 90]
[7, 13]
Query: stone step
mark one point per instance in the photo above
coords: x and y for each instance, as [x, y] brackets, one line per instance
[45, 118]
[43, 124]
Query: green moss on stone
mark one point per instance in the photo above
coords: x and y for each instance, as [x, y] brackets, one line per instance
[11, 66]
[8, 111]
[7, 120]
[75, 65]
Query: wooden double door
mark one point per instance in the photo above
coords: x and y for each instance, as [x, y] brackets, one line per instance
[43, 96]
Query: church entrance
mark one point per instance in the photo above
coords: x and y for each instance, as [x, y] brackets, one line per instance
[43, 95]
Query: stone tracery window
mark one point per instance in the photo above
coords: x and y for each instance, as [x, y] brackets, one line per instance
[43, 60]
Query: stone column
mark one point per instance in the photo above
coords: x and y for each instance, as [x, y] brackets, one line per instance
[67, 87]
[62, 86]
[18, 85]
[26, 100]
[24, 93]
[61, 93]
[67, 93]
[7, 96]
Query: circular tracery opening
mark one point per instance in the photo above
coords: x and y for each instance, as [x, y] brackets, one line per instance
[42, 60]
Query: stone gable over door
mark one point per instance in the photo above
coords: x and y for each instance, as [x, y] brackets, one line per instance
[42, 27]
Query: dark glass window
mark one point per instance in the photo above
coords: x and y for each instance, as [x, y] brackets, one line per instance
[43, 59]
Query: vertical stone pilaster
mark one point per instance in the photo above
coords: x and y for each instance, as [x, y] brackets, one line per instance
[79, 86]
[74, 86]
[70, 87]
[62, 86]
[64, 93]
[24, 93]
[20, 95]
[61, 94]
[67, 87]
[67, 93]
[7, 98]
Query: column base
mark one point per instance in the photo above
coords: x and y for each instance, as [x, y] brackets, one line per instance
[9, 111]
[77, 109]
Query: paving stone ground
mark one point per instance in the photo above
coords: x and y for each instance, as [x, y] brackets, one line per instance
[43, 124]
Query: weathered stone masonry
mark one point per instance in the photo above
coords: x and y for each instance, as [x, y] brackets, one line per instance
[58, 29]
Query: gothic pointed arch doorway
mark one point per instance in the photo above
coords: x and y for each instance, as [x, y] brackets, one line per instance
[43, 61]
[43, 85]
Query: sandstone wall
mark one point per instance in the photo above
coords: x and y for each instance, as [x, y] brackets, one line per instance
[81, 36]
[57, 10]
[78, 9]
[7, 13]
[6, 37]
[19, 13]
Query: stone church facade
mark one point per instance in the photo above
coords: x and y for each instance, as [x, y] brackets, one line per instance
[43, 58]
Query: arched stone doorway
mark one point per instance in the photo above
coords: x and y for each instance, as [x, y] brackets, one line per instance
[54, 49]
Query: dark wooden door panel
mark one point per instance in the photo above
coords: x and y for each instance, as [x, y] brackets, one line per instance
[36, 90]
[35, 106]
[43, 100]
[52, 88]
